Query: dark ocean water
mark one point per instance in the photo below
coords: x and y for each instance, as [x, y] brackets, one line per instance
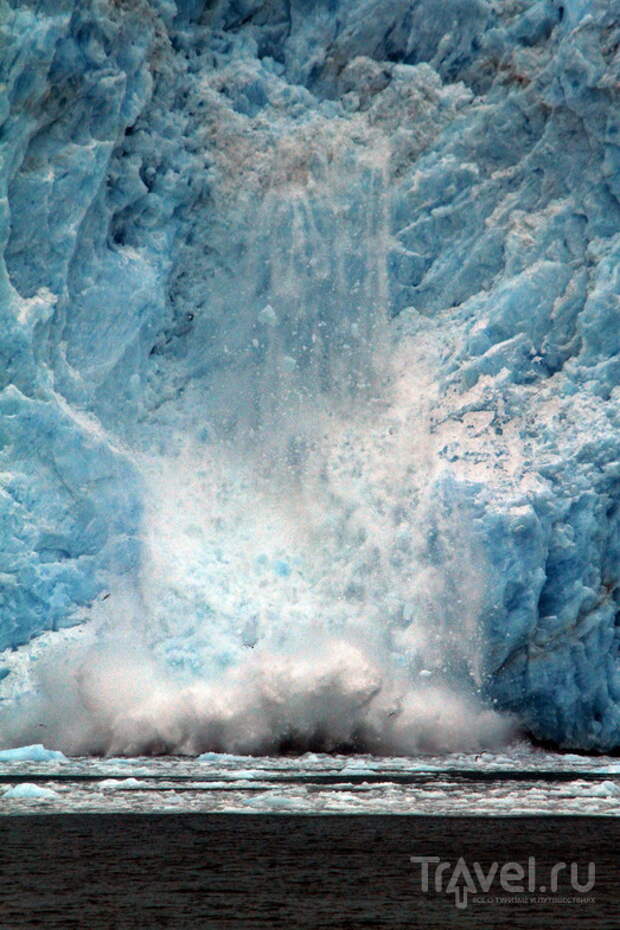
[285, 871]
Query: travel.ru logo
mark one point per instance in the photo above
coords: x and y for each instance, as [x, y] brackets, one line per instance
[461, 880]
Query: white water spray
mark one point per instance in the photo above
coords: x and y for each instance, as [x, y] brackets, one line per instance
[286, 598]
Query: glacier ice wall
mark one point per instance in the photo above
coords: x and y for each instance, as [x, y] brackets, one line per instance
[310, 315]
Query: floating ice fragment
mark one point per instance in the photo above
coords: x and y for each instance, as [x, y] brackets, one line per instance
[122, 784]
[268, 315]
[30, 792]
[606, 789]
[34, 753]
[272, 802]
[246, 774]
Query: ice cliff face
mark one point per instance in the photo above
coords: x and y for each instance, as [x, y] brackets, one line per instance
[363, 248]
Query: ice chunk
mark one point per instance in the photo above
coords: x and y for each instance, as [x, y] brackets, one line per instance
[34, 753]
[268, 315]
[282, 568]
[27, 791]
[606, 789]
[123, 784]
[273, 802]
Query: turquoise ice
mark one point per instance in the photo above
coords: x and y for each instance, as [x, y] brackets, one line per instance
[368, 248]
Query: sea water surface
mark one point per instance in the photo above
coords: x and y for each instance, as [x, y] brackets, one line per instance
[520, 780]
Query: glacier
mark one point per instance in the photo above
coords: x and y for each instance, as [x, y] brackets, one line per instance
[310, 339]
